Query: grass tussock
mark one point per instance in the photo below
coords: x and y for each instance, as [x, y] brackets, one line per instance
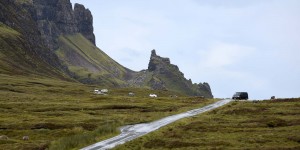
[81, 139]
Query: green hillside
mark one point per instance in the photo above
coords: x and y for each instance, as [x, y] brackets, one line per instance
[16, 58]
[89, 63]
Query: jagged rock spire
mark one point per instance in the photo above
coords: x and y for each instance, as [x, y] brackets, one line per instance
[153, 53]
[152, 62]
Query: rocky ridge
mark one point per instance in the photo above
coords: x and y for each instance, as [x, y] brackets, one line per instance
[168, 76]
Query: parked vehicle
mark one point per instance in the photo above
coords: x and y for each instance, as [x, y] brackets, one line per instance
[240, 95]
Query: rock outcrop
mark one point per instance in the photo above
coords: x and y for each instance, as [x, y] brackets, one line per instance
[162, 65]
[168, 76]
[57, 17]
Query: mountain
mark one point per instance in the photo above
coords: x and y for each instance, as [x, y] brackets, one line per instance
[69, 33]
[50, 38]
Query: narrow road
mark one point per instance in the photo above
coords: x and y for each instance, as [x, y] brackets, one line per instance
[131, 132]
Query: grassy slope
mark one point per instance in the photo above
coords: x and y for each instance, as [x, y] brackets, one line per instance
[177, 84]
[64, 114]
[239, 125]
[87, 61]
[16, 59]
[6, 33]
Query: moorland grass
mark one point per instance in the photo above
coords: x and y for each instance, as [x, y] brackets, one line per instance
[240, 125]
[57, 114]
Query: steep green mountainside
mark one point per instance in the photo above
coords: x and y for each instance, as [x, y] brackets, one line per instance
[21, 50]
[14, 57]
[89, 63]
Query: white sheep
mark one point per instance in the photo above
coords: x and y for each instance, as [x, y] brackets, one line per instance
[3, 137]
[25, 138]
[152, 95]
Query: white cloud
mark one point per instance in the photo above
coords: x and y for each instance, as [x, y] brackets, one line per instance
[220, 55]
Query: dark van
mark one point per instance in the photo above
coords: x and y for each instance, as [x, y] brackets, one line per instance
[240, 95]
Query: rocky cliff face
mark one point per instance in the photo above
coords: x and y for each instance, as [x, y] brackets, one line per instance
[84, 20]
[56, 17]
[21, 43]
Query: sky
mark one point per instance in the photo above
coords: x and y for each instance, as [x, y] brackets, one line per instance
[234, 45]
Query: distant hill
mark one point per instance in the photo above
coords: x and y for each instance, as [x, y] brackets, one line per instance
[162, 75]
[51, 39]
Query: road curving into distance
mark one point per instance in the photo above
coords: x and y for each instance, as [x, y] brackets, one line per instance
[131, 132]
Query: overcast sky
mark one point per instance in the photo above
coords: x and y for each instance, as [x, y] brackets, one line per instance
[233, 45]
